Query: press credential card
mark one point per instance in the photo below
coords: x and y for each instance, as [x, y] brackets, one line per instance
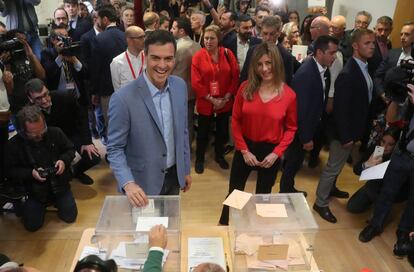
[271, 210]
[237, 199]
[146, 223]
[273, 252]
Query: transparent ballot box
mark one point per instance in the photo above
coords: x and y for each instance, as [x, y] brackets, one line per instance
[273, 232]
[118, 237]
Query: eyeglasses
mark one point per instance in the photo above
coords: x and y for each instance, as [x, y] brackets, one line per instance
[41, 97]
[137, 38]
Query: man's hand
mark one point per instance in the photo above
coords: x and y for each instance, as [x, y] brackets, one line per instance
[27, 49]
[7, 77]
[250, 159]
[188, 182]
[269, 160]
[60, 166]
[348, 145]
[96, 100]
[158, 236]
[411, 93]
[372, 161]
[90, 149]
[136, 195]
[308, 146]
[5, 57]
[37, 176]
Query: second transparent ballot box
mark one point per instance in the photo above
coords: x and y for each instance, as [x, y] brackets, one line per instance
[122, 231]
[273, 232]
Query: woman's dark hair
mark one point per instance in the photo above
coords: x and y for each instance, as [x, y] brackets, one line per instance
[305, 34]
[294, 12]
[394, 132]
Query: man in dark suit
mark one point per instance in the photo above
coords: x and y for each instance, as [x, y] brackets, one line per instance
[311, 84]
[270, 32]
[353, 96]
[227, 24]
[107, 45]
[383, 29]
[77, 25]
[395, 56]
[240, 43]
[64, 72]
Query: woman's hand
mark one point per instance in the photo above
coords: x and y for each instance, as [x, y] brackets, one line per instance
[372, 161]
[250, 159]
[269, 160]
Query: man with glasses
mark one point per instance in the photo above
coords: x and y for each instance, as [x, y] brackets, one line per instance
[63, 111]
[39, 159]
[130, 64]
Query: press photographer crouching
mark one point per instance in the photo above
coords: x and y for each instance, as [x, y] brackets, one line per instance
[39, 159]
[62, 110]
[399, 171]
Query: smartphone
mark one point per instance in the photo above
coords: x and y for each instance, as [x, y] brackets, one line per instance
[379, 151]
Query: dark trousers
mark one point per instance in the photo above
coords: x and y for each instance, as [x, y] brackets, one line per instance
[400, 170]
[240, 171]
[85, 162]
[171, 185]
[34, 210]
[4, 134]
[221, 135]
[294, 156]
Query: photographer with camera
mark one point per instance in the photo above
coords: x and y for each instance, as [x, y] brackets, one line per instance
[39, 159]
[61, 110]
[64, 71]
[400, 169]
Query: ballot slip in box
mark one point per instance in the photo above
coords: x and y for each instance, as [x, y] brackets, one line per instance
[122, 231]
[272, 232]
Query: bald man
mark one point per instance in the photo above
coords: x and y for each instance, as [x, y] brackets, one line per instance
[128, 65]
[319, 27]
[338, 25]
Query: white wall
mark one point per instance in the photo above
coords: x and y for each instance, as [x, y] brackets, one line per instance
[45, 10]
[377, 8]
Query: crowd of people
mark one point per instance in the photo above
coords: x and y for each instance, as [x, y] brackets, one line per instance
[194, 69]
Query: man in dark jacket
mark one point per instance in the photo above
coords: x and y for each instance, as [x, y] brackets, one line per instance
[39, 157]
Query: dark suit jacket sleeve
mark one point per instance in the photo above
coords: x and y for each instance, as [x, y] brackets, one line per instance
[16, 170]
[342, 103]
[66, 148]
[245, 70]
[49, 64]
[96, 59]
[287, 63]
[83, 123]
[153, 262]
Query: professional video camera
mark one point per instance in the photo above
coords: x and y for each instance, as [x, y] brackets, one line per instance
[396, 81]
[69, 47]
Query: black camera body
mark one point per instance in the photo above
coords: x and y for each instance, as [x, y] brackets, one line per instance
[48, 172]
[396, 81]
[69, 48]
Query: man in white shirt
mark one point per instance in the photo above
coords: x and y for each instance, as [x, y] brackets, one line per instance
[128, 65]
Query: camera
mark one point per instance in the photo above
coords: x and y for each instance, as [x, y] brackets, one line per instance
[48, 172]
[396, 80]
[69, 47]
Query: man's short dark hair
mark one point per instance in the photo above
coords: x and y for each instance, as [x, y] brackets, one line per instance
[233, 15]
[164, 18]
[322, 42]
[107, 11]
[31, 114]
[243, 18]
[358, 33]
[159, 37]
[34, 85]
[185, 24]
[261, 8]
[386, 20]
[73, 2]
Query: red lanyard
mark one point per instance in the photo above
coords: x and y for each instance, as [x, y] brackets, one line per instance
[130, 64]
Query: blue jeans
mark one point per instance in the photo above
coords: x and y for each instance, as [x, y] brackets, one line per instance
[35, 43]
[400, 170]
[100, 122]
[34, 210]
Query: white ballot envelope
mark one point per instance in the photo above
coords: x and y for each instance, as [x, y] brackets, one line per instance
[237, 199]
[375, 172]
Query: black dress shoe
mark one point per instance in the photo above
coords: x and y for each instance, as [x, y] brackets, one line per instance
[228, 149]
[325, 213]
[403, 245]
[84, 179]
[222, 162]
[199, 167]
[338, 193]
[368, 233]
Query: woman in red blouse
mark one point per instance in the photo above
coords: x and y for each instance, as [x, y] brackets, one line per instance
[264, 123]
[214, 80]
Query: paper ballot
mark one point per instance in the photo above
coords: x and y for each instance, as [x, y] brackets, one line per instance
[146, 223]
[271, 210]
[237, 199]
[375, 172]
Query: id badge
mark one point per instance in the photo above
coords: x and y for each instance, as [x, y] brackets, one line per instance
[214, 88]
[70, 86]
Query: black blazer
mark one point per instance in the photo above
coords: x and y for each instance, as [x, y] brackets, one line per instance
[83, 25]
[48, 56]
[87, 45]
[108, 44]
[375, 61]
[389, 62]
[288, 62]
[231, 42]
[351, 104]
[307, 84]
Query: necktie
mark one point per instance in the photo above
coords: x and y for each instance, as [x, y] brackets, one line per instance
[327, 76]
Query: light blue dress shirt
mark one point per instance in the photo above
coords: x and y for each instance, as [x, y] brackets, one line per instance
[162, 102]
[368, 79]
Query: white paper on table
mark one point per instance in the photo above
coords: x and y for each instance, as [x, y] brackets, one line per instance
[300, 52]
[271, 210]
[237, 199]
[375, 172]
[316, 3]
[146, 223]
[205, 249]
[88, 250]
